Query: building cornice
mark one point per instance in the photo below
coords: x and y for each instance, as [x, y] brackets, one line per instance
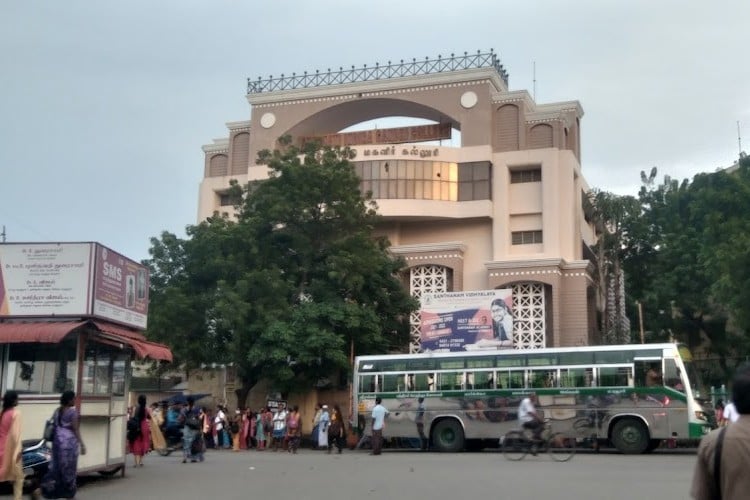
[241, 126]
[219, 146]
[450, 246]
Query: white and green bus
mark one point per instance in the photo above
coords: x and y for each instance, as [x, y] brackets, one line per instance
[632, 396]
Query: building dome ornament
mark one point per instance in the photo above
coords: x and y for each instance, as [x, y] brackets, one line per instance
[469, 99]
[267, 120]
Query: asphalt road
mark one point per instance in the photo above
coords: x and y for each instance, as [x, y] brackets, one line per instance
[314, 475]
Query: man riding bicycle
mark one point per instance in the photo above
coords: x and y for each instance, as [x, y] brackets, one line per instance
[528, 417]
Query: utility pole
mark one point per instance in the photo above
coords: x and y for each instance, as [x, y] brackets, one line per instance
[739, 139]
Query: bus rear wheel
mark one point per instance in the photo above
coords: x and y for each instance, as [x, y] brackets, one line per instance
[630, 436]
[448, 436]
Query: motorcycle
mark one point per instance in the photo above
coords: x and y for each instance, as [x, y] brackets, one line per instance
[36, 455]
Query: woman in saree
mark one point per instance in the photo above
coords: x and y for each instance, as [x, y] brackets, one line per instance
[141, 444]
[60, 480]
[10, 444]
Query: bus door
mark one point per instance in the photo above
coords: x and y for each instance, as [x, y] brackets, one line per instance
[649, 375]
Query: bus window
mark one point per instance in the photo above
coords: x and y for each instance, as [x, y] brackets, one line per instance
[367, 383]
[542, 378]
[393, 383]
[672, 376]
[450, 381]
[410, 382]
[419, 382]
[513, 379]
[576, 377]
[615, 376]
[480, 380]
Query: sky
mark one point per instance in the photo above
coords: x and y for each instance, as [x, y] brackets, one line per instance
[104, 106]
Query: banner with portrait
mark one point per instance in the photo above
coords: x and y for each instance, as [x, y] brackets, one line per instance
[466, 321]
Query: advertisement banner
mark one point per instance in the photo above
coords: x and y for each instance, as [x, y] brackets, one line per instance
[45, 279]
[120, 288]
[466, 321]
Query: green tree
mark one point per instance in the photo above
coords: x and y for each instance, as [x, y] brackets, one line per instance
[689, 264]
[298, 281]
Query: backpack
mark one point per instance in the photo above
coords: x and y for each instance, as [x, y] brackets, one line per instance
[134, 429]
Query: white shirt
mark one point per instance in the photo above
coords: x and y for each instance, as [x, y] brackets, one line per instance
[220, 417]
[378, 417]
[279, 420]
[730, 413]
[526, 411]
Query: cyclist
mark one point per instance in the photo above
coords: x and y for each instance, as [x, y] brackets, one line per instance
[529, 418]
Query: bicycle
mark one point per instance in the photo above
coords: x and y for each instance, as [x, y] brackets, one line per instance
[558, 445]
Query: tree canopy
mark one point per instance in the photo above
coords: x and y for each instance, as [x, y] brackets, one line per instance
[289, 286]
[688, 261]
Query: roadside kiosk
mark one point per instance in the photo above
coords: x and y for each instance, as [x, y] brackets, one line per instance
[72, 317]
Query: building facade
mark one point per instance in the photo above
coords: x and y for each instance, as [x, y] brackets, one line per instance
[505, 209]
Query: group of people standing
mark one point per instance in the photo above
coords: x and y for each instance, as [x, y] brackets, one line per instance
[329, 428]
[67, 445]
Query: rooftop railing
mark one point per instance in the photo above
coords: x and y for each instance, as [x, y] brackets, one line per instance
[401, 69]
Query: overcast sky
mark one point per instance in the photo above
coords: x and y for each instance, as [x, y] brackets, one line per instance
[104, 106]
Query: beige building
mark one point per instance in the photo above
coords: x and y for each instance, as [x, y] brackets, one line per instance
[502, 210]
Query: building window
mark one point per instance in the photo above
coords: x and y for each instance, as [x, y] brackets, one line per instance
[527, 175]
[225, 200]
[424, 180]
[526, 237]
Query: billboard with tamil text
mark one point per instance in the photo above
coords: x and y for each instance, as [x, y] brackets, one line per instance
[72, 279]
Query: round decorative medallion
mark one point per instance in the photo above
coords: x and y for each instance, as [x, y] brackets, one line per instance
[469, 99]
[267, 120]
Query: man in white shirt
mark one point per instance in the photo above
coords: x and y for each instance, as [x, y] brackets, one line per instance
[730, 413]
[378, 422]
[528, 417]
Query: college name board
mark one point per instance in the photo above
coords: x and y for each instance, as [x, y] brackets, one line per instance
[72, 279]
[397, 135]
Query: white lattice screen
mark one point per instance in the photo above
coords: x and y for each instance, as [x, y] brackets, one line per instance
[529, 324]
[424, 279]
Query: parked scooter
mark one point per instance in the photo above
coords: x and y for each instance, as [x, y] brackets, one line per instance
[36, 455]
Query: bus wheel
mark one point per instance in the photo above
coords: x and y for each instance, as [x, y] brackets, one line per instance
[447, 435]
[630, 436]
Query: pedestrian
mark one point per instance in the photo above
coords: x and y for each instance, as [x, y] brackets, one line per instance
[11, 465]
[293, 430]
[419, 420]
[378, 423]
[244, 428]
[316, 425]
[192, 437]
[220, 424]
[325, 421]
[724, 454]
[60, 479]
[260, 434]
[336, 430]
[279, 428]
[140, 438]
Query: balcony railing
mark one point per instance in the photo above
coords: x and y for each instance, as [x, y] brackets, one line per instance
[378, 72]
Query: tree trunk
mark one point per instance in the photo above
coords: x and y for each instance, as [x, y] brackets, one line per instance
[242, 391]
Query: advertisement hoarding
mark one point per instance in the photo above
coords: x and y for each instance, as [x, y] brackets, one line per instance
[465, 321]
[120, 288]
[72, 279]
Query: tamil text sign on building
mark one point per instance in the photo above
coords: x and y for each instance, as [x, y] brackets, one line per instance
[72, 279]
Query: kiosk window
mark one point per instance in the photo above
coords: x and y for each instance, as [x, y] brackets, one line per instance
[41, 368]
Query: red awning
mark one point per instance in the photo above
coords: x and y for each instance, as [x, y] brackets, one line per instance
[50, 332]
[142, 347]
